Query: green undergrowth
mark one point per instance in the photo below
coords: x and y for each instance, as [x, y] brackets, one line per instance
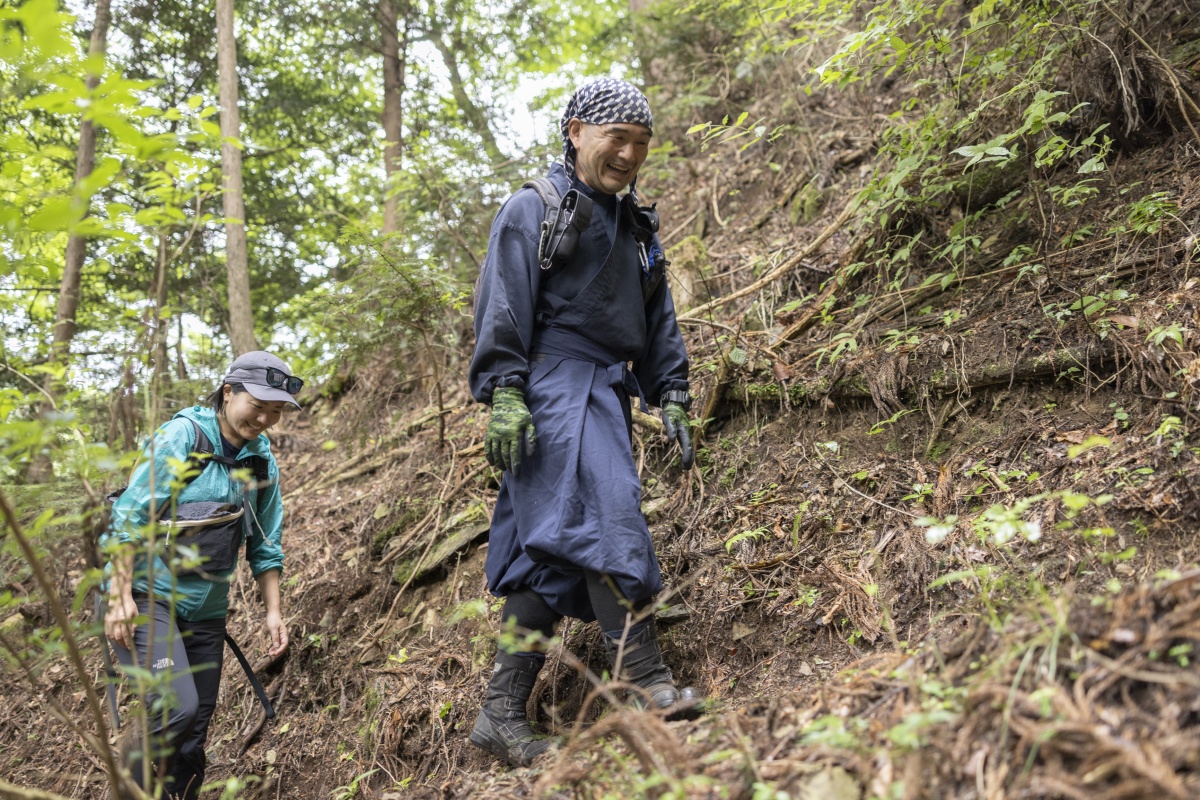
[992, 127]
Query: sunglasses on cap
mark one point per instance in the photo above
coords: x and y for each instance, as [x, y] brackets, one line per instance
[278, 379]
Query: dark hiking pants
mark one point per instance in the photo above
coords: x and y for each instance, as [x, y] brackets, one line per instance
[191, 653]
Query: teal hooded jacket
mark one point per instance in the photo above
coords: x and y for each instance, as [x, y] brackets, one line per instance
[198, 597]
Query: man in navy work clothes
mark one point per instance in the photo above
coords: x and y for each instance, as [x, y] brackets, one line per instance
[553, 340]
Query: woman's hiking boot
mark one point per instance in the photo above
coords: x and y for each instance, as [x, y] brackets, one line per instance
[502, 727]
[642, 665]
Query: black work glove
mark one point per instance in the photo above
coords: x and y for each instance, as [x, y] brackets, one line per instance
[509, 431]
[675, 421]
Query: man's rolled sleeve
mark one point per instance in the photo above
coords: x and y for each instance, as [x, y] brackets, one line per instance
[505, 298]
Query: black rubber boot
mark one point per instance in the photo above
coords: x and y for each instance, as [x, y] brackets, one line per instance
[502, 727]
[642, 665]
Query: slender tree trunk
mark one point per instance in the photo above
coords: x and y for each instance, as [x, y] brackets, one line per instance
[42, 470]
[395, 51]
[162, 360]
[180, 367]
[85, 160]
[241, 319]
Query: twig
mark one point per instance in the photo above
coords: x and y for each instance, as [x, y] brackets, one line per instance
[274, 689]
[27, 379]
[56, 708]
[700, 323]
[416, 569]
[647, 421]
[1180, 95]
[98, 743]
[806, 319]
[840, 480]
[674, 231]
[1142, 675]
[324, 477]
[416, 529]
[716, 211]
[721, 382]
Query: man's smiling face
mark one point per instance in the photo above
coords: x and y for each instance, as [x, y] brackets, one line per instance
[608, 157]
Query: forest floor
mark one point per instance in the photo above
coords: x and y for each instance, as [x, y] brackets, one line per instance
[1038, 642]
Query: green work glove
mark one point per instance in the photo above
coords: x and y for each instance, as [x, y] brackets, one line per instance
[510, 430]
[675, 421]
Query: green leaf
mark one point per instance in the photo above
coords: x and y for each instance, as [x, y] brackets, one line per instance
[1087, 444]
[960, 575]
[751, 534]
[102, 174]
[56, 214]
[1075, 502]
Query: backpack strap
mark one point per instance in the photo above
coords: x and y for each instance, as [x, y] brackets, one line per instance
[202, 447]
[254, 684]
[550, 202]
[643, 224]
[260, 466]
[545, 190]
[637, 219]
[262, 469]
[564, 220]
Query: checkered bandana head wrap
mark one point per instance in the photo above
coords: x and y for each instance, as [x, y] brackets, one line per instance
[601, 102]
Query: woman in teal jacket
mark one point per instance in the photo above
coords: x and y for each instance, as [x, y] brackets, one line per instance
[188, 644]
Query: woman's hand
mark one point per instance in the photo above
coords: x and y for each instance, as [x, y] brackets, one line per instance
[118, 622]
[276, 633]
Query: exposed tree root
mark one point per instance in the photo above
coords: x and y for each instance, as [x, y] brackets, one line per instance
[1095, 357]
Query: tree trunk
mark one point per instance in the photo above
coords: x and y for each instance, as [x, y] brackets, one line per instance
[241, 319]
[41, 469]
[162, 360]
[395, 51]
[68, 296]
[180, 367]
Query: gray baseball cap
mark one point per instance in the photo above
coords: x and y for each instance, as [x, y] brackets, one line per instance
[256, 371]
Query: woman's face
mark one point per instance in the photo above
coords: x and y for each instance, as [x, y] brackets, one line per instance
[245, 417]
